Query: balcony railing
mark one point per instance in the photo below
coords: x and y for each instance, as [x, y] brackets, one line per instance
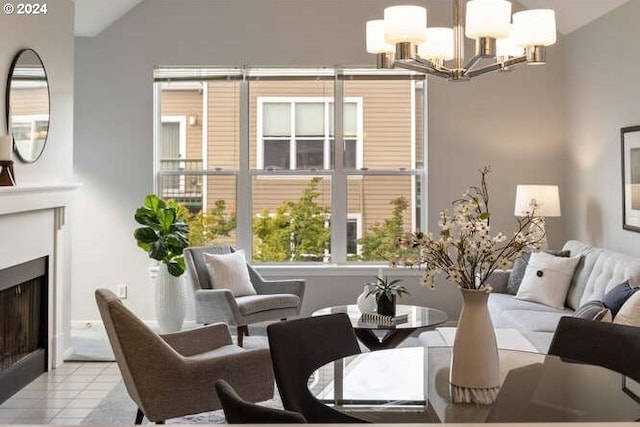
[178, 184]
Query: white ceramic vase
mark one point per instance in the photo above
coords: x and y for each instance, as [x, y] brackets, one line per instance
[170, 300]
[475, 373]
[367, 303]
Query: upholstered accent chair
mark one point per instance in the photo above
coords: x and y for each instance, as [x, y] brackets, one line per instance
[239, 411]
[173, 375]
[274, 299]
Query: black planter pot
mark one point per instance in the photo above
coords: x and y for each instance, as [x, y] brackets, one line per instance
[387, 306]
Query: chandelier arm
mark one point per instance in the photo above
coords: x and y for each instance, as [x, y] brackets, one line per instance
[428, 64]
[472, 63]
[414, 66]
[495, 67]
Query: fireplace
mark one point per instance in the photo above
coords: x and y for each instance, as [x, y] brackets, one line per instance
[23, 324]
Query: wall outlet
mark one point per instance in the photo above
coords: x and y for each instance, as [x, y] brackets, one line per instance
[122, 291]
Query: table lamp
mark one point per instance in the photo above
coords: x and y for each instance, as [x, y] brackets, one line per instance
[546, 199]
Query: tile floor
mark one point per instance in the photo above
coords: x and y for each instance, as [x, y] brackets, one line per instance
[63, 396]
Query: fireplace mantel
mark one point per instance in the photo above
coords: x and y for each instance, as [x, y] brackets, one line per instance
[35, 197]
[32, 219]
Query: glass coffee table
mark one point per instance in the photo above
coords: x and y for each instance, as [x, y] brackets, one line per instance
[412, 385]
[380, 336]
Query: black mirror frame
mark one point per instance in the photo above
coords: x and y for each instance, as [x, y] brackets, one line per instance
[8, 100]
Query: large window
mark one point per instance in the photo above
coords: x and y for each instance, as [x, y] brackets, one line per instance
[294, 165]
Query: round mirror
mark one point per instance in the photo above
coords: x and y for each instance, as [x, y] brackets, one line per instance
[28, 105]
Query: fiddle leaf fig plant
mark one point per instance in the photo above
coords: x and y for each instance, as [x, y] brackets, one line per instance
[163, 235]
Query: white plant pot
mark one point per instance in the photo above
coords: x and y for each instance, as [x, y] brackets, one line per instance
[367, 304]
[475, 373]
[170, 300]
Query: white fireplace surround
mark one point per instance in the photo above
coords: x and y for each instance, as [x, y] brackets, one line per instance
[32, 225]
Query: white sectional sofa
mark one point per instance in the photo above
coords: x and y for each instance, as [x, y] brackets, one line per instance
[598, 271]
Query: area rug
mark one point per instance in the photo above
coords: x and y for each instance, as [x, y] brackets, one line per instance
[118, 408]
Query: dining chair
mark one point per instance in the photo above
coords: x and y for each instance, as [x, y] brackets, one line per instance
[610, 345]
[172, 375]
[239, 411]
[274, 299]
[299, 347]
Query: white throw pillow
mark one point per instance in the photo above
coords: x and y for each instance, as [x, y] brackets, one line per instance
[229, 271]
[629, 313]
[547, 279]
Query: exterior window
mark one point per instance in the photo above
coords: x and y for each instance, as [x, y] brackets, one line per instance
[260, 159]
[298, 133]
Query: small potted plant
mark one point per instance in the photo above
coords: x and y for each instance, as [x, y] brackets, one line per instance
[385, 291]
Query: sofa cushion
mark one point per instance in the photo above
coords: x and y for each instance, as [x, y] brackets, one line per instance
[251, 304]
[520, 267]
[547, 279]
[629, 313]
[534, 321]
[616, 297]
[610, 270]
[501, 303]
[589, 256]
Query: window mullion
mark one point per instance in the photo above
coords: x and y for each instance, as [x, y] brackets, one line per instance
[244, 188]
[293, 147]
[338, 180]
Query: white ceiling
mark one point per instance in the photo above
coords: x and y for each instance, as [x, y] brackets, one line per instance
[93, 16]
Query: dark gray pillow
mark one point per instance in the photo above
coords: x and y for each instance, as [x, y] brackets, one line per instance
[592, 310]
[617, 296]
[520, 267]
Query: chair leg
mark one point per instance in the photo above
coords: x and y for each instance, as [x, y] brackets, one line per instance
[139, 416]
[242, 331]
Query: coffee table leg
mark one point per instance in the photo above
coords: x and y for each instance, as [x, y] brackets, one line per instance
[392, 338]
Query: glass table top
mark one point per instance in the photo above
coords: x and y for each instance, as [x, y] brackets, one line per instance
[417, 317]
[411, 385]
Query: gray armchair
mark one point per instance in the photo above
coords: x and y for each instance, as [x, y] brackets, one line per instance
[274, 299]
[173, 375]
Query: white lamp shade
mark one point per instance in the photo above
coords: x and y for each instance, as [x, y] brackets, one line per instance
[405, 24]
[438, 44]
[375, 38]
[508, 46]
[535, 27]
[545, 197]
[488, 18]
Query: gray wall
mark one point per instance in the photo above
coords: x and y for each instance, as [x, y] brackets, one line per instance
[50, 35]
[602, 96]
[512, 122]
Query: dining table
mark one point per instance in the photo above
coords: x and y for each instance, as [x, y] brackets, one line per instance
[411, 384]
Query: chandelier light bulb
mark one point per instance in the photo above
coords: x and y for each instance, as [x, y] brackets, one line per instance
[536, 27]
[438, 44]
[405, 24]
[488, 18]
[507, 47]
[375, 38]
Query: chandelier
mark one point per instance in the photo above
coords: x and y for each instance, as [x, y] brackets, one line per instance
[402, 39]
